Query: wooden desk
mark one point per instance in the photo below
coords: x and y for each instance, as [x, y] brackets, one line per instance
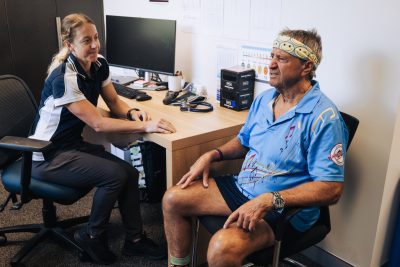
[196, 133]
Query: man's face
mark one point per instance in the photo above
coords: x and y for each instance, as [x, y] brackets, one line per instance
[86, 45]
[285, 70]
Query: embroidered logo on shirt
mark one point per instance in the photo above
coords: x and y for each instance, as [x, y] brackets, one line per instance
[337, 154]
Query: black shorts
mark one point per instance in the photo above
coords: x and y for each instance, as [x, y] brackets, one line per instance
[234, 198]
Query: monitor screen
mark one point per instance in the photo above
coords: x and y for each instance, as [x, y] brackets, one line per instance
[141, 43]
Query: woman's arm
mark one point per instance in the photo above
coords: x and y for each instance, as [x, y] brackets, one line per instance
[89, 114]
[119, 107]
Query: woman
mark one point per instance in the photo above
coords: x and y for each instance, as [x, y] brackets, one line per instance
[76, 78]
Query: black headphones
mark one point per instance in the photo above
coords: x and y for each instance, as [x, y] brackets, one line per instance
[192, 107]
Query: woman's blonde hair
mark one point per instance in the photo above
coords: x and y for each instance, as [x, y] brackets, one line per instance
[69, 24]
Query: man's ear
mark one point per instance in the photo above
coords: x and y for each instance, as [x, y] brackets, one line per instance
[308, 67]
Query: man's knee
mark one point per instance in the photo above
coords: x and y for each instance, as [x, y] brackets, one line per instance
[222, 250]
[170, 199]
[175, 199]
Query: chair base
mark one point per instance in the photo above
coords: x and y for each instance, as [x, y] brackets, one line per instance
[42, 232]
[292, 262]
[285, 261]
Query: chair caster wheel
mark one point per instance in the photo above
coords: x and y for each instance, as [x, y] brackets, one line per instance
[84, 257]
[3, 239]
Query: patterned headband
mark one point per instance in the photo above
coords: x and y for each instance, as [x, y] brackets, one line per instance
[295, 48]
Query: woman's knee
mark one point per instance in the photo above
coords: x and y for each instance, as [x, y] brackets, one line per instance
[121, 175]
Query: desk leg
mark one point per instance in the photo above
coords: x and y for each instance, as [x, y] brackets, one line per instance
[171, 175]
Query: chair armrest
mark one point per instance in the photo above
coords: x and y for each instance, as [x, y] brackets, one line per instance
[27, 146]
[289, 212]
[284, 219]
[24, 144]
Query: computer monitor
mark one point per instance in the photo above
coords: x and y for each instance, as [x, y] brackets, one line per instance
[143, 44]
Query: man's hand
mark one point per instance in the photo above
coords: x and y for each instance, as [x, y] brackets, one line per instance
[247, 215]
[200, 168]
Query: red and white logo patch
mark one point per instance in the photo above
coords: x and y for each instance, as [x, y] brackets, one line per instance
[337, 154]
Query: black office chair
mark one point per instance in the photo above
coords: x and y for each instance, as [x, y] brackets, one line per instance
[17, 111]
[285, 245]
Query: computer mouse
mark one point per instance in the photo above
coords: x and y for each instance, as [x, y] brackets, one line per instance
[143, 97]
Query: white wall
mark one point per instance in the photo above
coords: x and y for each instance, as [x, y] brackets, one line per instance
[360, 71]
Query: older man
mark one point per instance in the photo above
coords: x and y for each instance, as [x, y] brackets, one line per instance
[292, 141]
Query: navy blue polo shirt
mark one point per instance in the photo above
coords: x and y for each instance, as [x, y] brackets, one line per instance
[66, 84]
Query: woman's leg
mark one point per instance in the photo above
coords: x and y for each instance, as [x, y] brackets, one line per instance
[87, 168]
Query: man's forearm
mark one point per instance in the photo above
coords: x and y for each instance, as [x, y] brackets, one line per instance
[313, 194]
[233, 149]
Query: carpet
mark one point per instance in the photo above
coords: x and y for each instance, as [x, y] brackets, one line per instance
[54, 253]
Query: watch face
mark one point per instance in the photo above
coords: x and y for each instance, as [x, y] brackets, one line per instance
[278, 201]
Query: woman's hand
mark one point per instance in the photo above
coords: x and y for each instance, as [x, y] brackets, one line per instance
[159, 126]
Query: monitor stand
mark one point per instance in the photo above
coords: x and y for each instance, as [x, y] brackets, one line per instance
[152, 86]
[147, 76]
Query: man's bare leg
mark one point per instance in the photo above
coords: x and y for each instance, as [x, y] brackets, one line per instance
[178, 207]
[229, 247]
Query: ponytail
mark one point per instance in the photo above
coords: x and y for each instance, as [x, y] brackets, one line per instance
[57, 60]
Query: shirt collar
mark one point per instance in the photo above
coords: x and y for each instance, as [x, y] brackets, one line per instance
[310, 99]
[306, 104]
[76, 66]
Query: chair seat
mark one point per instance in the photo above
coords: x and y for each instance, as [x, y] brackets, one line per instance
[292, 244]
[58, 193]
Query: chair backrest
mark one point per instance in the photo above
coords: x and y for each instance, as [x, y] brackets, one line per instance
[17, 112]
[352, 124]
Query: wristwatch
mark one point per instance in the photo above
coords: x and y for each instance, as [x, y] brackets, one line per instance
[277, 201]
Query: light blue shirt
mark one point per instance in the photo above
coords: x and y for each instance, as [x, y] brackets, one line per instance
[307, 143]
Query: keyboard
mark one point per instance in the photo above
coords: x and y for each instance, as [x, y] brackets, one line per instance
[127, 92]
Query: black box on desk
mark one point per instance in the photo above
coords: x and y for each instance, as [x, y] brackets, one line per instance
[237, 88]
